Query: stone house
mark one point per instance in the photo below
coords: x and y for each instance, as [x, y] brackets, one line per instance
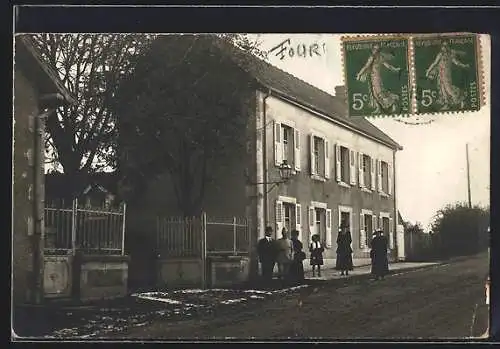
[343, 169]
[37, 90]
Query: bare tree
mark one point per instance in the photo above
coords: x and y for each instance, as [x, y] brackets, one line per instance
[82, 137]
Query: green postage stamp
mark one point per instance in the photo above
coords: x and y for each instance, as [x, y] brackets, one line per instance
[393, 75]
[376, 75]
[446, 73]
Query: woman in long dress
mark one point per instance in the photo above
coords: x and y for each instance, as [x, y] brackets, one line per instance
[380, 98]
[344, 251]
[297, 266]
[378, 254]
[449, 95]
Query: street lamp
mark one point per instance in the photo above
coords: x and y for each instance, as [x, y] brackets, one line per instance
[285, 172]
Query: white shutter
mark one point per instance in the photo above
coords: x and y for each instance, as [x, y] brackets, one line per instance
[327, 158]
[352, 168]
[362, 231]
[379, 176]
[328, 228]
[374, 223]
[372, 170]
[337, 163]
[361, 173]
[312, 222]
[389, 178]
[279, 216]
[278, 148]
[298, 220]
[296, 152]
[391, 234]
[311, 155]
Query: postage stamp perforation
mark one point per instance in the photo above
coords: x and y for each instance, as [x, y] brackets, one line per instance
[483, 96]
[412, 72]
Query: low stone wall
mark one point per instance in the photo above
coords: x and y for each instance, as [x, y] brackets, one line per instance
[101, 277]
[58, 276]
[179, 272]
[226, 271]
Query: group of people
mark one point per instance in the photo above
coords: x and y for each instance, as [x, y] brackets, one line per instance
[289, 254]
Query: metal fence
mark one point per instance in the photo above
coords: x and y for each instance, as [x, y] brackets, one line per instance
[193, 236]
[91, 230]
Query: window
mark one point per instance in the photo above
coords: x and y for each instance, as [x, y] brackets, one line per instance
[368, 229]
[286, 145]
[345, 220]
[367, 171]
[384, 172]
[344, 165]
[287, 215]
[320, 157]
[386, 225]
[320, 222]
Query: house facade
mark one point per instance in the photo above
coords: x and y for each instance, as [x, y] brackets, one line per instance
[37, 91]
[341, 176]
[343, 169]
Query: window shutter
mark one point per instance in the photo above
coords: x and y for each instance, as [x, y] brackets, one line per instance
[279, 217]
[327, 158]
[372, 170]
[389, 178]
[296, 153]
[391, 234]
[328, 228]
[312, 224]
[311, 146]
[374, 223]
[361, 173]
[362, 231]
[298, 220]
[352, 168]
[278, 148]
[379, 176]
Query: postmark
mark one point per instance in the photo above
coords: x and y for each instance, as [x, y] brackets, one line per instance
[447, 76]
[376, 72]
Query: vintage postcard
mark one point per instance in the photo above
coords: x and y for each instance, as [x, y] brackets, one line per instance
[250, 186]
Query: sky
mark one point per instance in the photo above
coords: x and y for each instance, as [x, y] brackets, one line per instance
[431, 169]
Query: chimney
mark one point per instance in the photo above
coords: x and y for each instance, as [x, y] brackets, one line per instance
[340, 91]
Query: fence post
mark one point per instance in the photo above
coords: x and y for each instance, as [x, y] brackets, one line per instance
[234, 236]
[204, 250]
[123, 228]
[74, 220]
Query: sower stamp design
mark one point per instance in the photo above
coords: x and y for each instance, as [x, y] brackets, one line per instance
[376, 75]
[446, 73]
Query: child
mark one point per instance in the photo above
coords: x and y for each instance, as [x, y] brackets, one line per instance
[316, 249]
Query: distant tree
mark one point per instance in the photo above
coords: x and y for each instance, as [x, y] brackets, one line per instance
[82, 137]
[460, 230]
[182, 113]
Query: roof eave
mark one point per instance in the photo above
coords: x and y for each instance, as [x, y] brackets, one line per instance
[395, 146]
[43, 68]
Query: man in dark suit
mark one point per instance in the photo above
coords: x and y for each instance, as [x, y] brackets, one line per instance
[267, 254]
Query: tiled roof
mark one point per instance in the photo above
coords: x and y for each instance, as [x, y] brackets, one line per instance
[293, 88]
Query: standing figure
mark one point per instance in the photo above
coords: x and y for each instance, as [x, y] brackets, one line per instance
[344, 251]
[267, 254]
[449, 95]
[316, 249]
[380, 98]
[284, 256]
[297, 267]
[378, 255]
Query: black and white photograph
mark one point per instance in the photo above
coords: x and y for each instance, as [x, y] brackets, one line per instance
[206, 186]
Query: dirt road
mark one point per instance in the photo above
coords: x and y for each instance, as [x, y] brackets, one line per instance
[436, 302]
